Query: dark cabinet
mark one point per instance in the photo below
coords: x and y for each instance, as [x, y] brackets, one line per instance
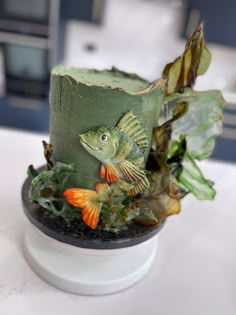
[219, 19]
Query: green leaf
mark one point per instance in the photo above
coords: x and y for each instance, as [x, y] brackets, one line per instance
[192, 179]
[161, 199]
[194, 61]
[47, 188]
[205, 59]
[31, 171]
[162, 134]
[177, 150]
[62, 172]
[202, 123]
[156, 208]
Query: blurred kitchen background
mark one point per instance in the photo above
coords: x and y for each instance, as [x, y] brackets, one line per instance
[138, 36]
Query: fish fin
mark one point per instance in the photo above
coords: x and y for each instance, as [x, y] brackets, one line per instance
[140, 187]
[78, 196]
[130, 125]
[85, 199]
[103, 171]
[100, 187]
[91, 213]
[131, 172]
[112, 173]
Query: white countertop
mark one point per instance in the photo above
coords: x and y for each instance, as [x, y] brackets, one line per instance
[194, 271]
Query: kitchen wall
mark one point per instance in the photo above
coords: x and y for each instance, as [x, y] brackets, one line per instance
[136, 36]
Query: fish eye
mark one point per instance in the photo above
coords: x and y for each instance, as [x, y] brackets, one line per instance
[104, 137]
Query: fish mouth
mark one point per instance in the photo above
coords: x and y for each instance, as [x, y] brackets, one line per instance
[85, 144]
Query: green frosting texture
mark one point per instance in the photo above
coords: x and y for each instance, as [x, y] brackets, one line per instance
[81, 99]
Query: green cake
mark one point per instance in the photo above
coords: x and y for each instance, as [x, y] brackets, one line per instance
[123, 151]
[81, 99]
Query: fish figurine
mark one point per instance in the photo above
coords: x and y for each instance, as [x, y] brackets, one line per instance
[121, 151]
[90, 201]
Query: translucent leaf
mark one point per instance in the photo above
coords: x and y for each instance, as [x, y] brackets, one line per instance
[195, 60]
[205, 59]
[161, 199]
[192, 179]
[154, 210]
[202, 123]
[162, 134]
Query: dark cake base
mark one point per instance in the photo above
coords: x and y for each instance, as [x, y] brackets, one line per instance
[78, 234]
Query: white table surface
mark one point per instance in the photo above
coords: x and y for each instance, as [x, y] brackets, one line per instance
[194, 272]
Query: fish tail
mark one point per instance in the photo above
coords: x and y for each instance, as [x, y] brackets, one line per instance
[86, 200]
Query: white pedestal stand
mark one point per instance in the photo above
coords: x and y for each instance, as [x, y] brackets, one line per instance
[87, 271]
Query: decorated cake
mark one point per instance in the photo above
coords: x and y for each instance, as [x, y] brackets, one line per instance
[123, 151]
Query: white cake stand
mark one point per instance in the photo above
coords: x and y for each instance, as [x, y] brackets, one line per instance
[87, 271]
